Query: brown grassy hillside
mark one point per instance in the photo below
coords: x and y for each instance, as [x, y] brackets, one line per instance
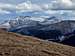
[12, 44]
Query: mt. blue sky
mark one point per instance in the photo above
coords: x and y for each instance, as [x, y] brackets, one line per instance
[61, 8]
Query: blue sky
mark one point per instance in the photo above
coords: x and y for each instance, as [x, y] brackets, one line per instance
[61, 8]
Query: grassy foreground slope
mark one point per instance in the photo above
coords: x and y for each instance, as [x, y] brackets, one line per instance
[12, 44]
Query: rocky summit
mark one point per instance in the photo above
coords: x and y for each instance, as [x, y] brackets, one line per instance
[12, 44]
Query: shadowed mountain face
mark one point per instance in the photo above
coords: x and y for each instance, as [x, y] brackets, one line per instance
[53, 35]
[53, 31]
[66, 26]
[12, 44]
[70, 39]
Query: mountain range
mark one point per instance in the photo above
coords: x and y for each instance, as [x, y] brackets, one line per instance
[52, 28]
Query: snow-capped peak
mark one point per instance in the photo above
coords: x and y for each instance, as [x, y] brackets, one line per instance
[30, 21]
[5, 24]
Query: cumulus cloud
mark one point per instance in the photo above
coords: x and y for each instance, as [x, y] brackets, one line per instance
[63, 5]
[66, 2]
[48, 8]
[59, 8]
[4, 12]
[5, 8]
[28, 6]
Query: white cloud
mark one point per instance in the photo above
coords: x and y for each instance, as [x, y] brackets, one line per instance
[7, 6]
[58, 8]
[4, 12]
[66, 2]
[28, 6]
[48, 8]
[53, 5]
[63, 4]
